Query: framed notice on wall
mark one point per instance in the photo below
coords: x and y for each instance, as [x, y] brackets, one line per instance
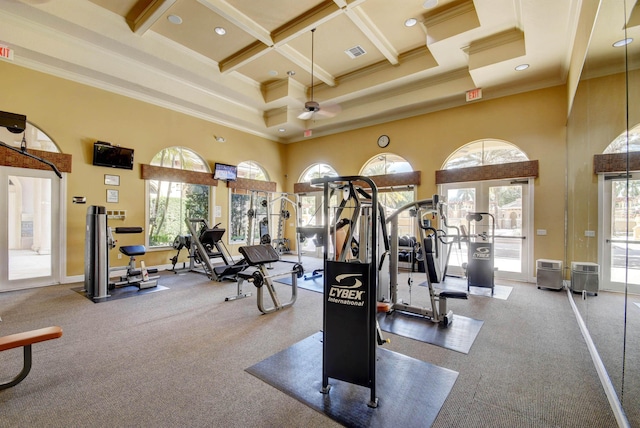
[112, 195]
[111, 180]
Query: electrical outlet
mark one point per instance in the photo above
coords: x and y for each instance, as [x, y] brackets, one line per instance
[590, 233]
[542, 232]
[119, 255]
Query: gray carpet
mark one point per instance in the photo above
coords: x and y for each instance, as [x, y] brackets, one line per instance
[178, 358]
[121, 292]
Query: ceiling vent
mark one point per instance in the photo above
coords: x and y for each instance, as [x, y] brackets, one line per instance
[355, 52]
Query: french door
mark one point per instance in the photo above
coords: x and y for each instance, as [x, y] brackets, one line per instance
[619, 242]
[29, 228]
[510, 204]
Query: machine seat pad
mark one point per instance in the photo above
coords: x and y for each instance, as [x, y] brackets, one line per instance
[133, 250]
[211, 236]
[259, 254]
[453, 295]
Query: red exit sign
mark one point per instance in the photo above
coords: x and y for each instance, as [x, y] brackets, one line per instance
[474, 94]
[6, 52]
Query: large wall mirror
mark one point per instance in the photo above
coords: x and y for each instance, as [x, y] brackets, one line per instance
[603, 196]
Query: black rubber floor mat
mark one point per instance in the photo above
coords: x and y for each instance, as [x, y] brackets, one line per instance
[457, 336]
[410, 392]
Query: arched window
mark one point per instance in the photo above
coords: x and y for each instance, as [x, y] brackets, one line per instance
[316, 171]
[484, 152]
[252, 171]
[35, 138]
[241, 203]
[170, 202]
[619, 145]
[385, 163]
[392, 199]
[310, 211]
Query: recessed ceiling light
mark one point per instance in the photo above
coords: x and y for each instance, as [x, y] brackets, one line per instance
[174, 19]
[273, 73]
[281, 129]
[522, 67]
[410, 22]
[291, 73]
[622, 42]
[220, 31]
[219, 139]
[428, 4]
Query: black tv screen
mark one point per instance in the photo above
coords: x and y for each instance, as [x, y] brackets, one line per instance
[225, 172]
[105, 154]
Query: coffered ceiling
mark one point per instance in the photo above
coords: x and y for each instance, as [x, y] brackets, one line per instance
[366, 65]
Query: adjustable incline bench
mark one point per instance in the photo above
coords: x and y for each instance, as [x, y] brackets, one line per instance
[25, 340]
[258, 256]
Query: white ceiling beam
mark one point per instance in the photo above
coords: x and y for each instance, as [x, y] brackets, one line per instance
[368, 28]
[150, 15]
[238, 18]
[304, 62]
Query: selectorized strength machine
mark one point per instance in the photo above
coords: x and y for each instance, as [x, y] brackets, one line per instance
[431, 240]
[98, 241]
[350, 330]
[480, 265]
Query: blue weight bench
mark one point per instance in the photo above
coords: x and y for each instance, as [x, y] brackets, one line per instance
[258, 257]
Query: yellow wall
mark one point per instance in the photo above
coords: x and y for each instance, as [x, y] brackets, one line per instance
[75, 116]
[533, 121]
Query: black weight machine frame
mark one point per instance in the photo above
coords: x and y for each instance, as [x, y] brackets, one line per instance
[430, 239]
[206, 245]
[350, 328]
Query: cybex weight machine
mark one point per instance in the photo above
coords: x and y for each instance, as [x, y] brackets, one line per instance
[431, 240]
[350, 329]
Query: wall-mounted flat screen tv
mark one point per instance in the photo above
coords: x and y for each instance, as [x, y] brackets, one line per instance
[222, 171]
[106, 154]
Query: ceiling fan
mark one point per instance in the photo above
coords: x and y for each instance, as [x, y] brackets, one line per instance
[312, 108]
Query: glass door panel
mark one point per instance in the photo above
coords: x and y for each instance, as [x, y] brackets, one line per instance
[620, 251]
[508, 203]
[29, 257]
[505, 204]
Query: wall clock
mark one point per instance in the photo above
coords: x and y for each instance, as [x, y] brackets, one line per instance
[383, 141]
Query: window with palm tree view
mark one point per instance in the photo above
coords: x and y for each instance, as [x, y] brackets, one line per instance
[171, 203]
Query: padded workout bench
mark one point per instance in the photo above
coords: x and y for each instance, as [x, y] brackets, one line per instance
[258, 256]
[25, 340]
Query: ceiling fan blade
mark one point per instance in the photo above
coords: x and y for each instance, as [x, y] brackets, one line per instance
[328, 111]
[306, 115]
